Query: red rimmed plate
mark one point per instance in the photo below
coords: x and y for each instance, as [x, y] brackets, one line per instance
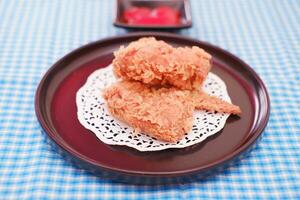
[57, 112]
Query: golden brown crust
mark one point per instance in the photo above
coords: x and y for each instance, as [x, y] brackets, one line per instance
[203, 101]
[155, 62]
[163, 113]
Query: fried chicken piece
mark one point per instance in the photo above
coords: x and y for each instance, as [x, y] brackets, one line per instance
[155, 62]
[163, 113]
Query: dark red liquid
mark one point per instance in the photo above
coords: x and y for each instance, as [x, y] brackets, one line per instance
[162, 15]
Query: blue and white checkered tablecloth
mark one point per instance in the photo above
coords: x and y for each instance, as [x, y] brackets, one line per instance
[36, 33]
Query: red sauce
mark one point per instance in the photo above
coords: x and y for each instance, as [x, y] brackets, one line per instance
[161, 15]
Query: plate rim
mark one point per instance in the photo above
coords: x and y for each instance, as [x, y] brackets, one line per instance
[64, 146]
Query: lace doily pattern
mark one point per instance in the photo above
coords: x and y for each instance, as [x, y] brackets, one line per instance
[93, 114]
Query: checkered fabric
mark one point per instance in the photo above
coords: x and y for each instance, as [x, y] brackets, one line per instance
[36, 33]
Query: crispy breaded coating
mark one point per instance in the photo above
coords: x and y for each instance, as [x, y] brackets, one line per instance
[203, 101]
[159, 90]
[155, 62]
[164, 113]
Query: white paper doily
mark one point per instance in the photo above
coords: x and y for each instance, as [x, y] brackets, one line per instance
[93, 114]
